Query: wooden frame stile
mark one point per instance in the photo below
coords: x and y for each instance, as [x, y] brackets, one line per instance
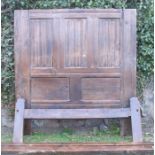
[129, 63]
[22, 59]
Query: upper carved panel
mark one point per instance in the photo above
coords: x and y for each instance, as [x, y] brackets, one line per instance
[41, 33]
[77, 42]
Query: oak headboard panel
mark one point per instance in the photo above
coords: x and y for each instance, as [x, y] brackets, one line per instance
[75, 58]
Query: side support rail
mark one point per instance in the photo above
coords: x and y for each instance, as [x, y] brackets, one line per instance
[19, 121]
[21, 113]
[136, 120]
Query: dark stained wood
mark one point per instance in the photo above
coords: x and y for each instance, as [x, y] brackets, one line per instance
[136, 120]
[50, 89]
[19, 121]
[101, 89]
[76, 58]
[22, 58]
[129, 62]
[77, 148]
[49, 71]
[41, 48]
[75, 52]
[79, 50]
[84, 75]
[75, 88]
[76, 113]
[133, 112]
[56, 37]
[134, 52]
[59, 104]
[22, 55]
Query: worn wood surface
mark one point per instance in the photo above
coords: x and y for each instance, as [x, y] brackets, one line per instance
[76, 113]
[19, 121]
[77, 147]
[50, 89]
[22, 59]
[75, 58]
[128, 63]
[133, 112]
[136, 120]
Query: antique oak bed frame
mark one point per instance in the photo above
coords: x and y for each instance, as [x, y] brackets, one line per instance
[75, 64]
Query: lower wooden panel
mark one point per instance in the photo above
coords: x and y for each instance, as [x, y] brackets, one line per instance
[75, 92]
[77, 147]
[49, 89]
[101, 88]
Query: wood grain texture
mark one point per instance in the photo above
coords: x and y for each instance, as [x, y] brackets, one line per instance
[75, 54]
[19, 121]
[129, 53]
[22, 55]
[79, 148]
[72, 13]
[101, 88]
[76, 113]
[108, 52]
[67, 104]
[52, 71]
[129, 63]
[136, 120]
[76, 58]
[22, 58]
[90, 40]
[50, 89]
[41, 43]
[75, 88]
[133, 112]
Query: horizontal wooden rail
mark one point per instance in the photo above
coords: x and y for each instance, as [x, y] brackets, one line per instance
[72, 72]
[81, 14]
[21, 113]
[76, 113]
[78, 10]
[82, 75]
[77, 147]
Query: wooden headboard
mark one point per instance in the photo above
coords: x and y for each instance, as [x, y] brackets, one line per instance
[75, 58]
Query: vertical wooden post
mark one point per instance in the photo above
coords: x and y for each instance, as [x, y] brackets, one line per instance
[136, 120]
[19, 121]
[22, 59]
[129, 63]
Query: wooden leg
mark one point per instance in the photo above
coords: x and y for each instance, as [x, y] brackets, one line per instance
[19, 121]
[136, 120]
[125, 124]
[27, 127]
[27, 124]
